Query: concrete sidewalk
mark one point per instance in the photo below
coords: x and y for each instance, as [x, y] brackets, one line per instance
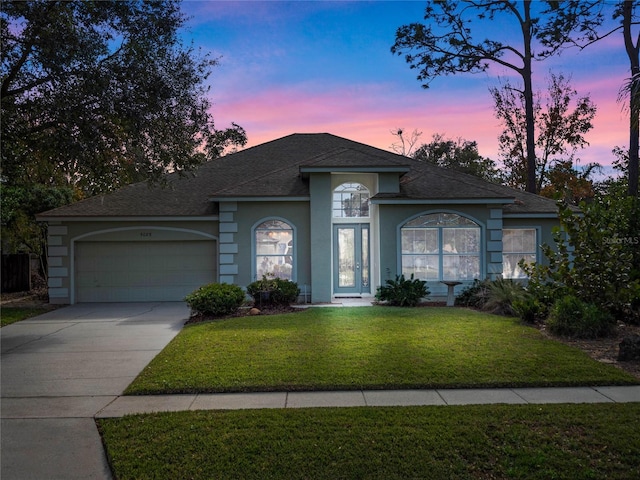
[368, 398]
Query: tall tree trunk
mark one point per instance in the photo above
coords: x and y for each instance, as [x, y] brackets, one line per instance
[634, 101]
[528, 100]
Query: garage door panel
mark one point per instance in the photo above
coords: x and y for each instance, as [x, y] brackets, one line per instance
[142, 271]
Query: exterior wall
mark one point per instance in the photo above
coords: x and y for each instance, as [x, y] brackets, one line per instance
[312, 222]
[388, 183]
[320, 237]
[489, 217]
[63, 235]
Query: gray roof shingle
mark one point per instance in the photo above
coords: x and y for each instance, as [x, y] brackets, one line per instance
[272, 169]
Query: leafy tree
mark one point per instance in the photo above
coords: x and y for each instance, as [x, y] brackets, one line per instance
[97, 95]
[94, 96]
[625, 15]
[596, 257]
[568, 184]
[460, 154]
[562, 124]
[20, 204]
[618, 185]
[444, 45]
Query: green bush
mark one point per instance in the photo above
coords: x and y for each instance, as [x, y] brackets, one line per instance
[595, 258]
[273, 292]
[475, 295]
[495, 296]
[530, 309]
[501, 295]
[571, 317]
[402, 292]
[216, 299]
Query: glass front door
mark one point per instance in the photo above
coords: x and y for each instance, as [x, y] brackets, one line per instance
[351, 259]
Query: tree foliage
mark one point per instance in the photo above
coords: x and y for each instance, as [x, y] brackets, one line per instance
[626, 16]
[459, 154]
[444, 45]
[94, 96]
[97, 95]
[596, 257]
[570, 185]
[562, 117]
[20, 203]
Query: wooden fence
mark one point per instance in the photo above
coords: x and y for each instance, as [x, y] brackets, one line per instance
[16, 273]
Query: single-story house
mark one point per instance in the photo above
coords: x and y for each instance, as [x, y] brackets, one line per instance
[336, 216]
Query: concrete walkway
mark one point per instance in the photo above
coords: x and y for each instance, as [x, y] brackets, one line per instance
[65, 368]
[368, 398]
[61, 368]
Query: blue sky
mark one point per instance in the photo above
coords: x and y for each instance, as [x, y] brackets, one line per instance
[319, 66]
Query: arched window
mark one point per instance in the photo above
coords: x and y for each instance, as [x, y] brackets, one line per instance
[441, 246]
[274, 249]
[351, 200]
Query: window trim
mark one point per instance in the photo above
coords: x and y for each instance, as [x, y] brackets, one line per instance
[254, 249]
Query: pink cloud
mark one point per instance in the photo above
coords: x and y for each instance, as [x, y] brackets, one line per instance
[368, 113]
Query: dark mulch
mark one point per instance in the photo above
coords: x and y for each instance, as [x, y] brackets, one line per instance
[244, 312]
[605, 350]
[35, 298]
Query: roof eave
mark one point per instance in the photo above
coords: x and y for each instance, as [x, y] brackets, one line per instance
[247, 198]
[126, 218]
[305, 170]
[442, 201]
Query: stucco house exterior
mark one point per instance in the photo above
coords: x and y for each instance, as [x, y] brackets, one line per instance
[336, 216]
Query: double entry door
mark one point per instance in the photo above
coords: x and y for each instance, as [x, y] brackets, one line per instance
[351, 259]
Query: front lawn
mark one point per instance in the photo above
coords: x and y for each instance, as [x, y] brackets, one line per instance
[367, 348]
[474, 442]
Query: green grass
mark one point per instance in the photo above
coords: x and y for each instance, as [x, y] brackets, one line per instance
[9, 315]
[474, 442]
[376, 347]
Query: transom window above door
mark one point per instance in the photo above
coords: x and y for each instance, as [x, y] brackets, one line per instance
[351, 200]
[441, 246]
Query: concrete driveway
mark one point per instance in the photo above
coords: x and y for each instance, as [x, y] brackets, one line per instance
[61, 368]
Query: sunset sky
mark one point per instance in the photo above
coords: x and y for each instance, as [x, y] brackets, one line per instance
[317, 66]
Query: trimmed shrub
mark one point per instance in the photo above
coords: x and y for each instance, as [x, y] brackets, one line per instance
[216, 299]
[402, 292]
[285, 293]
[273, 292]
[571, 317]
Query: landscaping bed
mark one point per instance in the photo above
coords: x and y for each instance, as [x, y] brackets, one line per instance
[606, 349]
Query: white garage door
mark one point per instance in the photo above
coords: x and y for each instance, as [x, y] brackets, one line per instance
[142, 271]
